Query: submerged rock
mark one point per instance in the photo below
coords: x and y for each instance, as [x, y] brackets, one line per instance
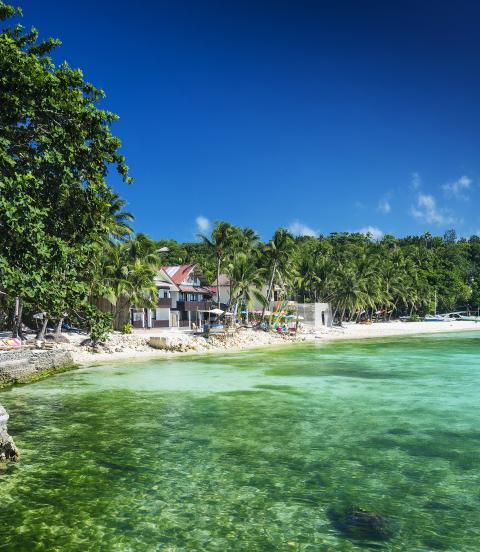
[357, 523]
[8, 450]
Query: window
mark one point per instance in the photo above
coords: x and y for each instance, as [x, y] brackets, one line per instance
[137, 316]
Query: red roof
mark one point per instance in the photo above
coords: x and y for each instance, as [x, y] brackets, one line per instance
[179, 273]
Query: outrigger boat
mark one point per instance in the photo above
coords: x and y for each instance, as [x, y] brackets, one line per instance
[468, 318]
[435, 318]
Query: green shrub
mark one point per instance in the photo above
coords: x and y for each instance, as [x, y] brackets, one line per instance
[127, 328]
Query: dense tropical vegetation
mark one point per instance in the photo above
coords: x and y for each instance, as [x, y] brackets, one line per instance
[59, 219]
[356, 274]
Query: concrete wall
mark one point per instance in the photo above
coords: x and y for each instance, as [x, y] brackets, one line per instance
[323, 315]
[25, 366]
[315, 315]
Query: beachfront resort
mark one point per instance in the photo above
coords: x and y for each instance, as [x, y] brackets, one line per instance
[242, 314]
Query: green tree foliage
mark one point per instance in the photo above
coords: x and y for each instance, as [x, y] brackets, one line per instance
[358, 276]
[55, 151]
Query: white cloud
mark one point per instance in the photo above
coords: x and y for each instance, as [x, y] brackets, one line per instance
[459, 188]
[203, 224]
[384, 206]
[300, 229]
[373, 231]
[416, 181]
[426, 210]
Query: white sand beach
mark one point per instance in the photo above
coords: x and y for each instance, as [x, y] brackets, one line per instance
[397, 328]
[136, 346]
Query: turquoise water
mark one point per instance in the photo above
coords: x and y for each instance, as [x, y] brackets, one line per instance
[270, 450]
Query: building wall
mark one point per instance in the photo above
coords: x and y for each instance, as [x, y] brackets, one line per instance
[174, 296]
[315, 315]
[323, 315]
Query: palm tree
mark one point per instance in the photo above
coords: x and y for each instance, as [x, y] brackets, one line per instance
[279, 254]
[220, 244]
[126, 277]
[118, 223]
[246, 280]
[349, 294]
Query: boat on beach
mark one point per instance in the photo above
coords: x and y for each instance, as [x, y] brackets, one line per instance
[435, 318]
[469, 318]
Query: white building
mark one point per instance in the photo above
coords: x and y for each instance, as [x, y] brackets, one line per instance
[183, 299]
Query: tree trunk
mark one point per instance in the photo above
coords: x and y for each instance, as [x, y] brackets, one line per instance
[270, 286]
[17, 319]
[41, 334]
[58, 327]
[391, 313]
[218, 281]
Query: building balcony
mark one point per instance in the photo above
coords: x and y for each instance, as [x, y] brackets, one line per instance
[194, 305]
[160, 323]
[164, 302]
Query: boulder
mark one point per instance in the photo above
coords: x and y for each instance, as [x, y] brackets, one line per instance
[357, 523]
[57, 338]
[8, 450]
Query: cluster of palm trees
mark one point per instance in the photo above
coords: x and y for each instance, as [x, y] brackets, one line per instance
[364, 285]
[358, 276]
[249, 264]
[363, 278]
[127, 268]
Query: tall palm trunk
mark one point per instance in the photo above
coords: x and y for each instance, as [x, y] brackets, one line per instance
[393, 308]
[270, 287]
[218, 281]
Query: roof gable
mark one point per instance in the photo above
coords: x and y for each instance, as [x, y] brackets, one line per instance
[162, 276]
[179, 273]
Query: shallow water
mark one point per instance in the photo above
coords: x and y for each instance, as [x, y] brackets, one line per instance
[252, 451]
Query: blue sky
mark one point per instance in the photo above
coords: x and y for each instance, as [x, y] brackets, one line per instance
[314, 115]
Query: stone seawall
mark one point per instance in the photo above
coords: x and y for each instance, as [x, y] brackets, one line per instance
[26, 366]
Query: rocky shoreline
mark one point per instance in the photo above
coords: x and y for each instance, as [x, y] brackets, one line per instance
[8, 450]
[168, 344]
[23, 367]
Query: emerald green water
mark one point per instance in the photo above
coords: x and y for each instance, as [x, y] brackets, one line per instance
[252, 451]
